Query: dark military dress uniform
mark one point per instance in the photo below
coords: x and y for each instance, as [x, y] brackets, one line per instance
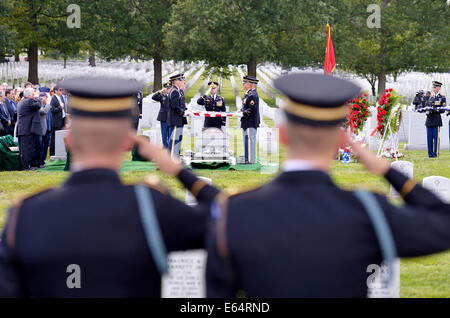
[434, 122]
[214, 103]
[162, 98]
[250, 120]
[303, 236]
[175, 116]
[93, 221]
[139, 99]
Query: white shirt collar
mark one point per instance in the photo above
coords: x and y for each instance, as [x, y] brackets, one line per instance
[298, 165]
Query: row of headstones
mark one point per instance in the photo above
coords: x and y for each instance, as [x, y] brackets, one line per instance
[439, 185]
[50, 72]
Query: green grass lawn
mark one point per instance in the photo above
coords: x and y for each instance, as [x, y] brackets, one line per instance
[420, 277]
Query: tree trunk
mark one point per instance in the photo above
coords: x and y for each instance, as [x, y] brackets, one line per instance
[17, 57]
[157, 65]
[382, 73]
[65, 62]
[251, 67]
[381, 81]
[157, 72]
[92, 58]
[2, 57]
[33, 63]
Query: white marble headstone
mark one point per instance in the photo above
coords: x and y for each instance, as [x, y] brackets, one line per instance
[190, 199]
[405, 167]
[60, 147]
[417, 135]
[186, 278]
[439, 186]
[379, 288]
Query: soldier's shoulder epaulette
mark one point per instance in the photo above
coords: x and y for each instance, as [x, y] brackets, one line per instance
[33, 196]
[154, 183]
[14, 215]
[235, 193]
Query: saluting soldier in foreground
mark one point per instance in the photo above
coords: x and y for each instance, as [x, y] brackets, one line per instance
[175, 117]
[213, 103]
[301, 235]
[162, 97]
[250, 119]
[113, 236]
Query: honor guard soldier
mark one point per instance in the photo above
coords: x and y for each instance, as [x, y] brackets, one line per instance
[301, 235]
[434, 120]
[213, 103]
[94, 236]
[162, 97]
[250, 119]
[175, 116]
[139, 99]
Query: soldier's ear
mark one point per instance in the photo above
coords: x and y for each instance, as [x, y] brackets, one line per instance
[129, 142]
[68, 141]
[283, 134]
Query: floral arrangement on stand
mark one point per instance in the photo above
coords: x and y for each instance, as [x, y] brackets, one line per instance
[389, 114]
[358, 114]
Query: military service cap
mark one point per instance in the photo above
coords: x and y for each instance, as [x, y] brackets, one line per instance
[167, 85]
[316, 99]
[102, 96]
[178, 77]
[437, 84]
[213, 84]
[250, 79]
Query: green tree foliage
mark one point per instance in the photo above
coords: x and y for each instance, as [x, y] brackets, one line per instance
[128, 28]
[413, 35]
[224, 32]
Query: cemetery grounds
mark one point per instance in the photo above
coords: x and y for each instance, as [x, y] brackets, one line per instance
[419, 277]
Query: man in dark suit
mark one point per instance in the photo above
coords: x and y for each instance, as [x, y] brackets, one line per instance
[94, 236]
[213, 103]
[162, 97]
[29, 128]
[175, 116]
[58, 116]
[12, 108]
[301, 235]
[5, 117]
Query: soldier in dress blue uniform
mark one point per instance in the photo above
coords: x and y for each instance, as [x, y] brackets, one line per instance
[139, 99]
[213, 103]
[434, 120]
[162, 97]
[175, 117]
[94, 236]
[250, 119]
[301, 235]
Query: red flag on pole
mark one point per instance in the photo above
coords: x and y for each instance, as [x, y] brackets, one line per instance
[330, 63]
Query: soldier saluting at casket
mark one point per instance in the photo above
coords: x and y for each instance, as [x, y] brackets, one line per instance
[213, 103]
[162, 97]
